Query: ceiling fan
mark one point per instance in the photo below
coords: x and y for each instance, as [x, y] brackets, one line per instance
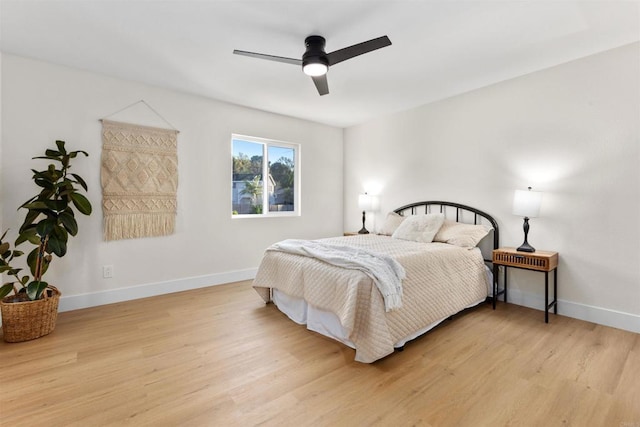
[315, 61]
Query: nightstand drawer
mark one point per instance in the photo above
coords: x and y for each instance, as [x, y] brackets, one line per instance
[539, 260]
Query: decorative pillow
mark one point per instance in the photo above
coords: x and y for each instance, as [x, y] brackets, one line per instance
[459, 234]
[419, 228]
[391, 223]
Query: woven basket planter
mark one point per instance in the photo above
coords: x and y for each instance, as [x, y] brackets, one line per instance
[28, 320]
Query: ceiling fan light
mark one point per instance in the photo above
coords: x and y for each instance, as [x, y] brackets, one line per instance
[315, 69]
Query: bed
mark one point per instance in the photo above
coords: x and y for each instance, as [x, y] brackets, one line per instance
[443, 250]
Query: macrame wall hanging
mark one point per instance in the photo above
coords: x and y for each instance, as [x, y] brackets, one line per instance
[139, 176]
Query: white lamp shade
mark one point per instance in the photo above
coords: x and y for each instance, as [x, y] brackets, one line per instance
[367, 202]
[527, 203]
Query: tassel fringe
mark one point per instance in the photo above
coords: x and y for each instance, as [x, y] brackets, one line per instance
[132, 226]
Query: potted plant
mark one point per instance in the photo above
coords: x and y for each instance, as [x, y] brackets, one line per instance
[29, 304]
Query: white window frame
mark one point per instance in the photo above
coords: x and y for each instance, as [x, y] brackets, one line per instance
[266, 143]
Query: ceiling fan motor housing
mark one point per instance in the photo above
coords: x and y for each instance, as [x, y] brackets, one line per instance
[315, 53]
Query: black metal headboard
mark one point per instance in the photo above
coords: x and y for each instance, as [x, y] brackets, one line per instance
[463, 212]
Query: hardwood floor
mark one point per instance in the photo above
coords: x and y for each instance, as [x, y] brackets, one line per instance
[220, 357]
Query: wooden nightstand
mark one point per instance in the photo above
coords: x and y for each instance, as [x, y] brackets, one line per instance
[350, 233]
[545, 261]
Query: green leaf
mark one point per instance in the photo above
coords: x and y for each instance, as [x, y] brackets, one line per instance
[35, 289]
[52, 153]
[47, 194]
[46, 260]
[29, 234]
[69, 223]
[80, 181]
[6, 289]
[47, 157]
[35, 205]
[60, 145]
[75, 153]
[58, 241]
[32, 259]
[60, 233]
[46, 226]
[28, 201]
[4, 268]
[4, 247]
[29, 220]
[46, 175]
[44, 183]
[81, 203]
[25, 279]
[16, 253]
[4, 234]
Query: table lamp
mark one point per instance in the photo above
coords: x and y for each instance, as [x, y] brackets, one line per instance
[526, 203]
[366, 202]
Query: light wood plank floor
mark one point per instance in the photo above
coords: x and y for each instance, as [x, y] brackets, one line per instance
[221, 357]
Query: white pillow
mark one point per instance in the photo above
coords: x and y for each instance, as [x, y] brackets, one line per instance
[463, 235]
[419, 228]
[391, 223]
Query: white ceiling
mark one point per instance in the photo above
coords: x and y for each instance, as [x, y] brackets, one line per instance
[440, 48]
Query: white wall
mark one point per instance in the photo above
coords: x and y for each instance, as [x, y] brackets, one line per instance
[1, 188]
[44, 102]
[572, 131]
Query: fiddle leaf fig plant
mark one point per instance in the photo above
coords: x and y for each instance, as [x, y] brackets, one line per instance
[48, 223]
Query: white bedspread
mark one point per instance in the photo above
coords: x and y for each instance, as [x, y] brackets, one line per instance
[386, 272]
[441, 280]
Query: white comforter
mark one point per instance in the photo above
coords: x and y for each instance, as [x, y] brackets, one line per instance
[386, 272]
[441, 280]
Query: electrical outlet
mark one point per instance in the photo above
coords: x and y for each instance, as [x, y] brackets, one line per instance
[107, 271]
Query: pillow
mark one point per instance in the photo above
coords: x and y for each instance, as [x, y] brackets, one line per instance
[391, 223]
[459, 234]
[419, 228]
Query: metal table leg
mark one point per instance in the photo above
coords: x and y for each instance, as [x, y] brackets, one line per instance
[505, 284]
[546, 297]
[555, 291]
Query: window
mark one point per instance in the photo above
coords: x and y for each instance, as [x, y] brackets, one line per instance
[253, 160]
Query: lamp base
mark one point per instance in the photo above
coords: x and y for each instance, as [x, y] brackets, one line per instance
[526, 247]
[363, 230]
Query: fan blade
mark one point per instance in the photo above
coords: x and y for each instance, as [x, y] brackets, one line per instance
[357, 49]
[269, 57]
[321, 84]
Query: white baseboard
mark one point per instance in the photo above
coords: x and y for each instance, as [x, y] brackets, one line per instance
[74, 302]
[599, 315]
